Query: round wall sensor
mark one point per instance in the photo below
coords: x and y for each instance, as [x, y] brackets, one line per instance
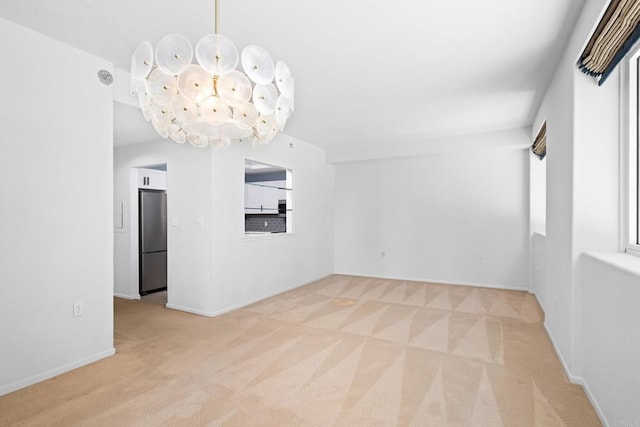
[105, 77]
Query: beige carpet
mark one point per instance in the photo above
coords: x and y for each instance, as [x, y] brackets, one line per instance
[159, 298]
[343, 351]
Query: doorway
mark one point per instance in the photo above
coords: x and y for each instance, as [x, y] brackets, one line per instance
[151, 255]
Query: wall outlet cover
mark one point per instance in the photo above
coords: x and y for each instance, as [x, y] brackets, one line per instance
[77, 309]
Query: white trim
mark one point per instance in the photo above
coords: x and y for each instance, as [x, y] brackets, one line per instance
[242, 304]
[572, 378]
[576, 379]
[623, 157]
[56, 371]
[125, 296]
[628, 142]
[594, 403]
[255, 236]
[539, 302]
[632, 250]
[134, 274]
[622, 262]
[439, 281]
[191, 310]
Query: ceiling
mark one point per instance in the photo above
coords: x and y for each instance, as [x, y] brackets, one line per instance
[367, 72]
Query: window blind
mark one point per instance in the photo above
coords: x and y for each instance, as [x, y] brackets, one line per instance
[539, 146]
[614, 36]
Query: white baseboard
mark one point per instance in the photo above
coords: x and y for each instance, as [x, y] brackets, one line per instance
[56, 371]
[125, 296]
[439, 281]
[572, 378]
[539, 303]
[242, 304]
[594, 403]
[190, 310]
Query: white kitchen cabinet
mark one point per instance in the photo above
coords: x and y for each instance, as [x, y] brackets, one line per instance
[263, 197]
[252, 198]
[152, 179]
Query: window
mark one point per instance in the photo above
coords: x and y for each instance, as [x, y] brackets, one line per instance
[631, 183]
[268, 199]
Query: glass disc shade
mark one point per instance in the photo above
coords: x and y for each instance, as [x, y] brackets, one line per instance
[202, 128]
[217, 54]
[234, 88]
[195, 83]
[176, 133]
[266, 124]
[215, 111]
[284, 79]
[161, 87]
[184, 109]
[283, 110]
[220, 142]
[198, 140]
[139, 89]
[174, 54]
[142, 61]
[234, 132]
[161, 114]
[258, 65]
[205, 100]
[245, 115]
[265, 98]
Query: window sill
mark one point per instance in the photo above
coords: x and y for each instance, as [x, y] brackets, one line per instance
[622, 261]
[258, 235]
[633, 251]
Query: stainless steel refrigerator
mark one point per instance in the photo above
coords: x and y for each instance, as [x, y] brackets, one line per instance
[153, 240]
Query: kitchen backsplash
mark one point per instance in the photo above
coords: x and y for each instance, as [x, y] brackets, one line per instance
[257, 223]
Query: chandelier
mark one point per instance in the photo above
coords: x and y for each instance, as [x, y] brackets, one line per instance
[211, 102]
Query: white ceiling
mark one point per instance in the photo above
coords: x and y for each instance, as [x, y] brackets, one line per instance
[366, 72]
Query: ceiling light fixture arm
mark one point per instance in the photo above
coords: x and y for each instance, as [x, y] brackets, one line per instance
[217, 17]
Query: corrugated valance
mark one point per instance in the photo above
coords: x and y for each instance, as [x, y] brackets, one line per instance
[539, 146]
[614, 36]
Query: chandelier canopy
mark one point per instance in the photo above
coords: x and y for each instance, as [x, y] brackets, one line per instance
[211, 102]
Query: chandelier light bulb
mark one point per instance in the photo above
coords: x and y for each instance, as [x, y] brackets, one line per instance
[211, 102]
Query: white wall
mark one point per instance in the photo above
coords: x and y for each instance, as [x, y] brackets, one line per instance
[537, 221]
[215, 268]
[587, 304]
[558, 110]
[55, 209]
[582, 183]
[537, 193]
[610, 295]
[188, 198]
[537, 269]
[435, 216]
[247, 269]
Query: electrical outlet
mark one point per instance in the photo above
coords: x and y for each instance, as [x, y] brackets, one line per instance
[481, 259]
[266, 224]
[77, 309]
[382, 254]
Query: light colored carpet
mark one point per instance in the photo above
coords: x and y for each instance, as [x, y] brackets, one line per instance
[343, 351]
[159, 298]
